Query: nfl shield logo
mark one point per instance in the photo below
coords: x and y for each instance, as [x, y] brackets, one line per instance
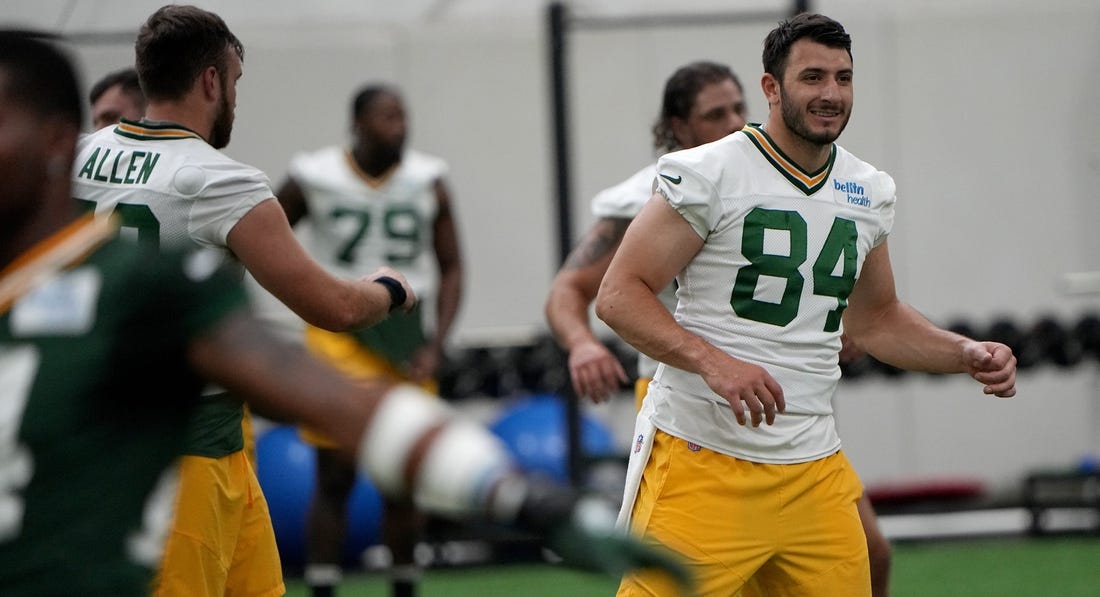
[694, 447]
[638, 443]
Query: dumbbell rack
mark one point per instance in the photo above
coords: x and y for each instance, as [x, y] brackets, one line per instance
[1063, 500]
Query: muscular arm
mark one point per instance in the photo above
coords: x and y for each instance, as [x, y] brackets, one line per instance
[658, 245]
[393, 431]
[263, 241]
[595, 371]
[279, 380]
[893, 332]
[448, 254]
[412, 444]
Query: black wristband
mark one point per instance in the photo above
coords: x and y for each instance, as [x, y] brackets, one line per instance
[398, 296]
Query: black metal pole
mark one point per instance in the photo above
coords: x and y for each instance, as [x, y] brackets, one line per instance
[557, 35]
[558, 25]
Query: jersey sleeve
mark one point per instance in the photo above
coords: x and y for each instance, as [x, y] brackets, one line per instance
[213, 290]
[171, 299]
[627, 198]
[441, 169]
[423, 166]
[300, 168]
[688, 192]
[222, 193]
[886, 196]
[191, 291]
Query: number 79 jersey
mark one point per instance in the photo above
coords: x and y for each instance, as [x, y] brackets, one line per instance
[783, 249]
[360, 223]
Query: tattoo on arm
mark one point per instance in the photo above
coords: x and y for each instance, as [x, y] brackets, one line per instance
[600, 242]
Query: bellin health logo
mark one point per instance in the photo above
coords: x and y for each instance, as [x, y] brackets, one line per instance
[853, 191]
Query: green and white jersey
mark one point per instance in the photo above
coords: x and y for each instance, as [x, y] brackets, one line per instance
[783, 249]
[359, 223]
[170, 187]
[626, 200]
[95, 397]
[166, 183]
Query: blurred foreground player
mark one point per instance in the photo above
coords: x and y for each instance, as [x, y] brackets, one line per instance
[89, 324]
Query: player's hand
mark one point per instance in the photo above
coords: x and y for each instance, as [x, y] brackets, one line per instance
[410, 296]
[992, 364]
[746, 386]
[596, 373]
[580, 529]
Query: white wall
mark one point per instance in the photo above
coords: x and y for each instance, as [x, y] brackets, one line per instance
[984, 112]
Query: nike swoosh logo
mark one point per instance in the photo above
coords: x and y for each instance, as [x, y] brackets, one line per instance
[673, 180]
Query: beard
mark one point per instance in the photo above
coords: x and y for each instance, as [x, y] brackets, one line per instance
[223, 124]
[377, 158]
[796, 123]
[390, 154]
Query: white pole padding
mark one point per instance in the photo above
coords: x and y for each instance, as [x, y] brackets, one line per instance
[463, 474]
[464, 470]
[404, 416]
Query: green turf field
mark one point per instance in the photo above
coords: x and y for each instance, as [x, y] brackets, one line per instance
[1062, 567]
[1004, 568]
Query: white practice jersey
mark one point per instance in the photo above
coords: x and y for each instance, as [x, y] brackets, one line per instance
[359, 223]
[166, 183]
[782, 250]
[626, 200]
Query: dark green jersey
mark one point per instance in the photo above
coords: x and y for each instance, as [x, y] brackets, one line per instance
[95, 396]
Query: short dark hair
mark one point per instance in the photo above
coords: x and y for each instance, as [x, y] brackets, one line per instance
[175, 44]
[680, 91]
[39, 76]
[818, 28]
[126, 78]
[366, 96]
